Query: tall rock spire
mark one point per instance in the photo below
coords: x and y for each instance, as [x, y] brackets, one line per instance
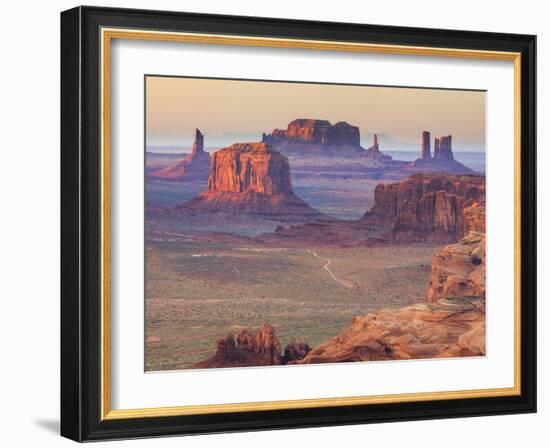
[194, 166]
[375, 143]
[198, 145]
[426, 149]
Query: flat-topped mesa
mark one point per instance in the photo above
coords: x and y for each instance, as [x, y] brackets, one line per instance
[320, 137]
[313, 131]
[426, 149]
[251, 179]
[428, 207]
[194, 167]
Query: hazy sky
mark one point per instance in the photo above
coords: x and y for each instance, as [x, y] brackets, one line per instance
[229, 111]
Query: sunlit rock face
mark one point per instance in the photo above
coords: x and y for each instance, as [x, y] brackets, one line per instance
[458, 270]
[249, 167]
[428, 207]
[251, 179]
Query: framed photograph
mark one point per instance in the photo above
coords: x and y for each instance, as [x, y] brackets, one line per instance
[276, 224]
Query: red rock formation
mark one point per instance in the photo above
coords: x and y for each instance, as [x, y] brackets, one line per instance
[474, 217]
[250, 348]
[253, 167]
[458, 270]
[448, 328]
[251, 178]
[194, 167]
[253, 348]
[427, 207]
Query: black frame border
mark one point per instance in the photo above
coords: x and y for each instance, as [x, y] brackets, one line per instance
[81, 223]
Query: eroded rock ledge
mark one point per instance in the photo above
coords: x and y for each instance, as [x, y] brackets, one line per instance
[452, 327]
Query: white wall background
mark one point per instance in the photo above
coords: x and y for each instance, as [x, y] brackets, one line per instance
[29, 224]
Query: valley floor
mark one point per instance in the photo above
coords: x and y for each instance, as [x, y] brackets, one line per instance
[198, 292]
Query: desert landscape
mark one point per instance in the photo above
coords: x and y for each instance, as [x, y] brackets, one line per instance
[306, 246]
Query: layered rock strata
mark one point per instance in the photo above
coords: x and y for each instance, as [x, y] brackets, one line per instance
[428, 207]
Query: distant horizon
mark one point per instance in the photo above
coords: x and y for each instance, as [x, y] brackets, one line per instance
[182, 149]
[231, 111]
[386, 141]
[387, 144]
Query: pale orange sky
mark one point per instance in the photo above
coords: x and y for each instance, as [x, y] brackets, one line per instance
[229, 111]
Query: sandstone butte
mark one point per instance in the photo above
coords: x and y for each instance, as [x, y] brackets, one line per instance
[442, 161]
[253, 179]
[428, 207]
[320, 137]
[194, 167]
